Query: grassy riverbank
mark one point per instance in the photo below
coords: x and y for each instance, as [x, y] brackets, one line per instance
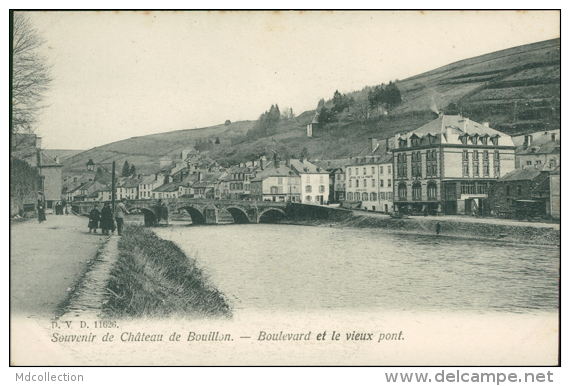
[154, 278]
[527, 234]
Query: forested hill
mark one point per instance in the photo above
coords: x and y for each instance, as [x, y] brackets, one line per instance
[516, 90]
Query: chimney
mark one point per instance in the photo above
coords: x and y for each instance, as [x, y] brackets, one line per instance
[288, 162]
[553, 137]
[200, 176]
[262, 162]
[387, 145]
[38, 158]
[486, 124]
[56, 159]
[373, 144]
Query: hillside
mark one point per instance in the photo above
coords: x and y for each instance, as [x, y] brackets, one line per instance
[516, 90]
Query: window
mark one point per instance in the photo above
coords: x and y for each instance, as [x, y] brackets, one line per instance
[475, 163]
[552, 162]
[402, 143]
[381, 183]
[373, 169]
[321, 189]
[432, 191]
[415, 141]
[389, 170]
[364, 196]
[356, 183]
[280, 180]
[484, 139]
[389, 182]
[468, 187]
[402, 191]
[350, 171]
[308, 189]
[382, 195]
[402, 166]
[350, 183]
[321, 179]
[363, 183]
[373, 196]
[416, 164]
[465, 163]
[349, 196]
[356, 171]
[463, 139]
[363, 170]
[474, 139]
[381, 169]
[497, 163]
[308, 198]
[495, 140]
[356, 196]
[373, 183]
[538, 162]
[529, 162]
[417, 191]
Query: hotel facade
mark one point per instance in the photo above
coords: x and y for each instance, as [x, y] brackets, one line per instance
[448, 165]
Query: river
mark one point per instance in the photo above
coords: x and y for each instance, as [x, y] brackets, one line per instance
[270, 267]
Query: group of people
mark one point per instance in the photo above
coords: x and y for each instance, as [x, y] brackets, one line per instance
[61, 208]
[106, 218]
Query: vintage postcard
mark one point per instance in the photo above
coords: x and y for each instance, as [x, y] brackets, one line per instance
[284, 188]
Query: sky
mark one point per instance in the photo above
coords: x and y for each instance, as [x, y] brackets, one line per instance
[123, 74]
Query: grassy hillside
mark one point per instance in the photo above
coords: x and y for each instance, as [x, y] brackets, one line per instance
[516, 90]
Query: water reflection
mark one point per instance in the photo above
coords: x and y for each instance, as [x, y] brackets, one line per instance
[279, 268]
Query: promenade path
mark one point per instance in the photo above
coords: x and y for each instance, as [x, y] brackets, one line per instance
[46, 260]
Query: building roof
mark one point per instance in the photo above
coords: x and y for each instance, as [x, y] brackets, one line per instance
[447, 129]
[523, 174]
[333, 164]
[306, 167]
[271, 170]
[170, 187]
[541, 144]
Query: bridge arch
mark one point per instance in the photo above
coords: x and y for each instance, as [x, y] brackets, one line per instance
[239, 215]
[149, 215]
[271, 215]
[197, 216]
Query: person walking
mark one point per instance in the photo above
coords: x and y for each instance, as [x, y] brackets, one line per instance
[437, 228]
[107, 222]
[94, 217]
[165, 212]
[41, 212]
[120, 212]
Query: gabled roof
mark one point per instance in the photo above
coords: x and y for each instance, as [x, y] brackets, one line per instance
[271, 170]
[306, 167]
[170, 187]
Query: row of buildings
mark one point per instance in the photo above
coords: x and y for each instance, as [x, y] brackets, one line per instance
[451, 165]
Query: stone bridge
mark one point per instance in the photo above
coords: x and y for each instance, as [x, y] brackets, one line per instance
[207, 211]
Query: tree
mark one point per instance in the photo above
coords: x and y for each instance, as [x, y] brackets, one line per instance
[340, 102]
[132, 170]
[392, 96]
[30, 75]
[287, 113]
[217, 140]
[126, 169]
[304, 153]
[228, 122]
[326, 116]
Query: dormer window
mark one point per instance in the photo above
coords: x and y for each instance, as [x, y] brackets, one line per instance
[415, 140]
[484, 139]
[431, 139]
[402, 142]
[474, 139]
[463, 138]
[495, 140]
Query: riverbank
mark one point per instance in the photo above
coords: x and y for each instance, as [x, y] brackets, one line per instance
[153, 278]
[508, 231]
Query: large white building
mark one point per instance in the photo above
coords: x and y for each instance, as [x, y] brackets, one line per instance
[369, 179]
